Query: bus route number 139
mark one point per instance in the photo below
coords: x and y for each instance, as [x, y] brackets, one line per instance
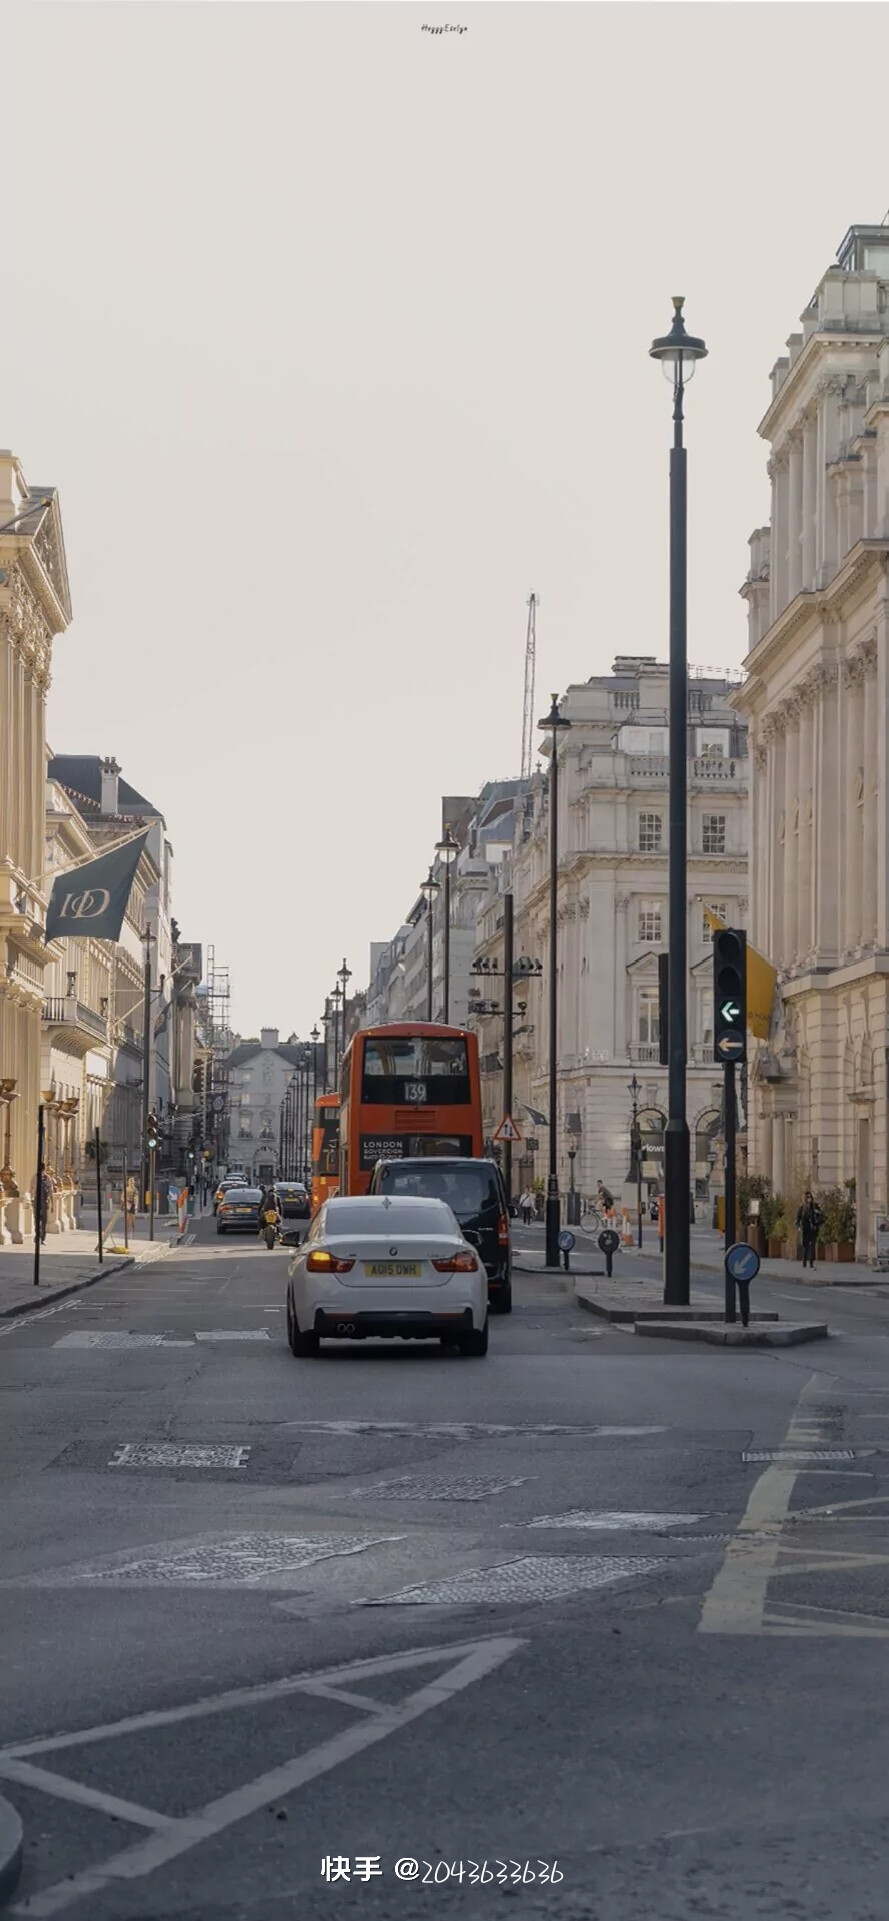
[415, 1093]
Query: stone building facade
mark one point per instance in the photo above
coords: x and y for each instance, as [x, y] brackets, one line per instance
[35, 606]
[613, 915]
[816, 699]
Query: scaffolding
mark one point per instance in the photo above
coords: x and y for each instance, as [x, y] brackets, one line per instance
[216, 1079]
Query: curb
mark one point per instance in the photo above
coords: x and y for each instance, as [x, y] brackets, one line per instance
[10, 1848]
[709, 1266]
[44, 1299]
[761, 1336]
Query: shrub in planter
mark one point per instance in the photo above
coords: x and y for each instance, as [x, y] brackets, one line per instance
[837, 1230]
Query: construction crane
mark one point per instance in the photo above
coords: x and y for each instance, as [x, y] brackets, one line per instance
[530, 669]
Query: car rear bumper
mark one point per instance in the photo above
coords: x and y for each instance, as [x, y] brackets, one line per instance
[404, 1324]
[460, 1301]
[240, 1227]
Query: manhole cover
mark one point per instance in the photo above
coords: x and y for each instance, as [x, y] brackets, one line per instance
[243, 1560]
[171, 1454]
[533, 1577]
[80, 1338]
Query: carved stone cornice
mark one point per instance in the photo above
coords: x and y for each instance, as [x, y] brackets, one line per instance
[760, 756]
[868, 653]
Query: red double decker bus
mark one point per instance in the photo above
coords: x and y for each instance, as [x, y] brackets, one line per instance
[406, 1090]
[325, 1149]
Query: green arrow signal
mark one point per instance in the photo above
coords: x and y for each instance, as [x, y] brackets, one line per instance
[729, 1011]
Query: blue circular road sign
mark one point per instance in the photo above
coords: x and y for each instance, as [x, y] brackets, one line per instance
[566, 1240]
[742, 1262]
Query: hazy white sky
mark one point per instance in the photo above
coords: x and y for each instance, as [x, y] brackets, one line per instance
[333, 335]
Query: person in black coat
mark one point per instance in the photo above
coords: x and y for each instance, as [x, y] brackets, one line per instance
[808, 1221]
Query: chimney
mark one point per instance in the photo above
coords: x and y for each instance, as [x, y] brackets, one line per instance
[268, 1037]
[110, 777]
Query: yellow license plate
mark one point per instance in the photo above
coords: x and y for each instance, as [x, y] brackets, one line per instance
[393, 1270]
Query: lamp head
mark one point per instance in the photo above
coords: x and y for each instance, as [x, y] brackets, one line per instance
[678, 351]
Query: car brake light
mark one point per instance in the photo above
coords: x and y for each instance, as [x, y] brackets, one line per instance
[321, 1262]
[462, 1263]
[503, 1230]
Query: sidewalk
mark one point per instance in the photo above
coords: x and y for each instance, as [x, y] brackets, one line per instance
[68, 1262]
[708, 1248]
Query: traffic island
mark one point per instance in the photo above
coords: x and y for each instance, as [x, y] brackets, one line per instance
[10, 1849]
[720, 1333]
[644, 1301]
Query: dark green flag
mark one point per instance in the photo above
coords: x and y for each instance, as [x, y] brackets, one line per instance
[93, 899]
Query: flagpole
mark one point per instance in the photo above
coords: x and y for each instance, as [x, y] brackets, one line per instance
[106, 847]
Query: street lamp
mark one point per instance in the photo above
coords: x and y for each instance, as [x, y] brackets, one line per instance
[677, 352]
[314, 1037]
[556, 723]
[337, 998]
[447, 851]
[635, 1173]
[344, 975]
[429, 890]
[325, 1022]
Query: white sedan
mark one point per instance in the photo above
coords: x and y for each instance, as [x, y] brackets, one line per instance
[383, 1265]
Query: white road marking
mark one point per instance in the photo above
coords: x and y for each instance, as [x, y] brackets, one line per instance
[467, 1430]
[613, 1523]
[801, 1456]
[173, 1454]
[413, 1487]
[478, 1659]
[234, 1334]
[82, 1337]
[28, 1776]
[528, 1578]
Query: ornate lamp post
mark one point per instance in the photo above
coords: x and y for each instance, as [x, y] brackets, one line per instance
[555, 723]
[678, 353]
[429, 890]
[343, 976]
[336, 997]
[447, 850]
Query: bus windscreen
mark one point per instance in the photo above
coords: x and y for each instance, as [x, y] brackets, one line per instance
[415, 1070]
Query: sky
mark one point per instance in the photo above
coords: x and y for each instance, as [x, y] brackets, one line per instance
[333, 335]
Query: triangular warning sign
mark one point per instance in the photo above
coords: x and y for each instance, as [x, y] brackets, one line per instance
[507, 1131]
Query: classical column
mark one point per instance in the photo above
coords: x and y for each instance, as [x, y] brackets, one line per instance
[764, 1157]
[827, 834]
[810, 494]
[805, 840]
[794, 513]
[776, 725]
[621, 984]
[790, 942]
[881, 693]
[870, 794]
[853, 683]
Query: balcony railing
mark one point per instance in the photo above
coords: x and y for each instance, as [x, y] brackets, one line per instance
[645, 1051]
[67, 1011]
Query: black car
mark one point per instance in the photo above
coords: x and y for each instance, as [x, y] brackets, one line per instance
[475, 1193]
[293, 1199]
[239, 1209]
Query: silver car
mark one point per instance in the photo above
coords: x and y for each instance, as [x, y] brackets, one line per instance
[380, 1265]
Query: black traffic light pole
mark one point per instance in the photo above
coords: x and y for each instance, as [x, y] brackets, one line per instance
[730, 1044]
[508, 959]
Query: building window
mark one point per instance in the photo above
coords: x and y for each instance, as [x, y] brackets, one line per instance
[650, 921]
[643, 740]
[714, 834]
[651, 828]
[717, 907]
[707, 1023]
[649, 1019]
[713, 743]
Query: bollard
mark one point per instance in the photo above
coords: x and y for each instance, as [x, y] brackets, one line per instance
[608, 1242]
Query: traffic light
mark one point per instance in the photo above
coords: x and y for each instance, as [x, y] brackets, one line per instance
[730, 994]
[152, 1135]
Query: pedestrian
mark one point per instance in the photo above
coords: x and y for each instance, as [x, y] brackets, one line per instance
[526, 1203]
[808, 1221]
[42, 1202]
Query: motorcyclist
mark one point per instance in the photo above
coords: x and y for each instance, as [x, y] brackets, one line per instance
[269, 1204]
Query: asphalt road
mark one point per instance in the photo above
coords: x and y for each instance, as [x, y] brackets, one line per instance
[393, 1603]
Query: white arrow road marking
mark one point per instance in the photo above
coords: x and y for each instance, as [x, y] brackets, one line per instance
[468, 1663]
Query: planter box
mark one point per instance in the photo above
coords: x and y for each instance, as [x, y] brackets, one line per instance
[837, 1251]
[775, 1248]
[755, 1237]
